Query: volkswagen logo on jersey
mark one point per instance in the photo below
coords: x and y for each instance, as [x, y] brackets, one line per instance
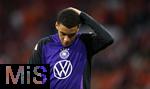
[62, 69]
[64, 54]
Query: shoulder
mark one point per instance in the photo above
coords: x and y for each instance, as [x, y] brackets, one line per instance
[45, 39]
[87, 35]
[87, 38]
[42, 41]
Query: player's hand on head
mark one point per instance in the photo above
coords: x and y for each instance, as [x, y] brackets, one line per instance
[74, 9]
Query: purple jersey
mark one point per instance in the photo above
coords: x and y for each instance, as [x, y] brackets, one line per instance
[66, 64]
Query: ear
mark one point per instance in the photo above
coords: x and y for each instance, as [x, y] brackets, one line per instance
[56, 25]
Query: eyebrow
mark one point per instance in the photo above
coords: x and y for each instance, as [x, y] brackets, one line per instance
[68, 34]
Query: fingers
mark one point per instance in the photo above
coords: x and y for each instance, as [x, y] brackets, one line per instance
[74, 9]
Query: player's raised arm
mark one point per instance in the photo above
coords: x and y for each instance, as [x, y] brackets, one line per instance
[101, 39]
[103, 36]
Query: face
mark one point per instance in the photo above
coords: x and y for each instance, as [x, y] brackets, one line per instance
[66, 35]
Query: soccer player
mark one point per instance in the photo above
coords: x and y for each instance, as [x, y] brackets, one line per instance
[69, 52]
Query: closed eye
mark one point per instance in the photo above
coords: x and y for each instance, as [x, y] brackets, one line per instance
[63, 33]
[69, 35]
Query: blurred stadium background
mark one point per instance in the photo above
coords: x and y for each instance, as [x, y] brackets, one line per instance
[124, 65]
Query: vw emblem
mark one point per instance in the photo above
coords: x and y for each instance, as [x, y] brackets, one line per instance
[62, 69]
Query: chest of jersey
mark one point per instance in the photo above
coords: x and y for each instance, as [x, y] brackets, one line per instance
[66, 64]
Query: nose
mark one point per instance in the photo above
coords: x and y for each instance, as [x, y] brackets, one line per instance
[66, 39]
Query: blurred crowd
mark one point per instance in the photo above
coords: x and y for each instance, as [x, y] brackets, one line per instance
[123, 65]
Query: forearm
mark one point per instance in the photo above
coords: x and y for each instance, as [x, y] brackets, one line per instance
[100, 30]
